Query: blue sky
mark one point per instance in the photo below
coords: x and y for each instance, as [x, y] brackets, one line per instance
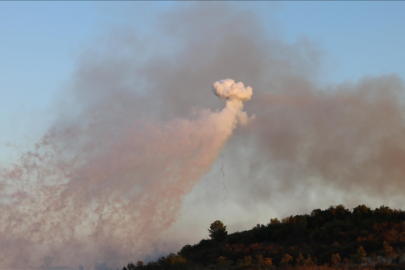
[42, 40]
[359, 38]
[37, 52]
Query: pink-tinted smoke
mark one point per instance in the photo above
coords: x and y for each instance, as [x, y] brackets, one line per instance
[89, 194]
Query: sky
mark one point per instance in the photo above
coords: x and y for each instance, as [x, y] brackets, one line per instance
[109, 105]
[41, 42]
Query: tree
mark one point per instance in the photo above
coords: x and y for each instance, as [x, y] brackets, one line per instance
[362, 211]
[300, 260]
[217, 231]
[173, 261]
[268, 263]
[285, 261]
[301, 226]
[274, 221]
[263, 263]
[360, 255]
[223, 263]
[335, 258]
[388, 251]
[246, 262]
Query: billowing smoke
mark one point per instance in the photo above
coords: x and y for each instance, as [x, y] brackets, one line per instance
[91, 193]
[235, 94]
[137, 129]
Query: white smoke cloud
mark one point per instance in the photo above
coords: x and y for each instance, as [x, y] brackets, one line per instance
[228, 89]
[235, 94]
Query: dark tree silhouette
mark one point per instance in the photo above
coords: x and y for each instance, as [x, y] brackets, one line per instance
[217, 231]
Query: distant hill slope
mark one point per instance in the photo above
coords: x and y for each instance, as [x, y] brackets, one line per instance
[331, 238]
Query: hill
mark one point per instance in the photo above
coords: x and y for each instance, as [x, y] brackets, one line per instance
[333, 238]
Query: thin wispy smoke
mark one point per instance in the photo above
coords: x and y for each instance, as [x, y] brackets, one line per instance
[137, 128]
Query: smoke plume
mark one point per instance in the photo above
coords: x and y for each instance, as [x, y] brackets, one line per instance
[88, 194]
[137, 129]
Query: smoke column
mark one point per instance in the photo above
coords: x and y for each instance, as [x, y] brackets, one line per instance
[88, 194]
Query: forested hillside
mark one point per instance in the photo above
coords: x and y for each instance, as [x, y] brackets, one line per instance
[332, 238]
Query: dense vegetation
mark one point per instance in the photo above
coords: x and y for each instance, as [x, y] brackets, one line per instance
[331, 238]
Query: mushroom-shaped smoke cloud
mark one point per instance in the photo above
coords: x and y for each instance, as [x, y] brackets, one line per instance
[235, 94]
[228, 89]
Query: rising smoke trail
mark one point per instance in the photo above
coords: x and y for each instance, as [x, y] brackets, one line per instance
[88, 194]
